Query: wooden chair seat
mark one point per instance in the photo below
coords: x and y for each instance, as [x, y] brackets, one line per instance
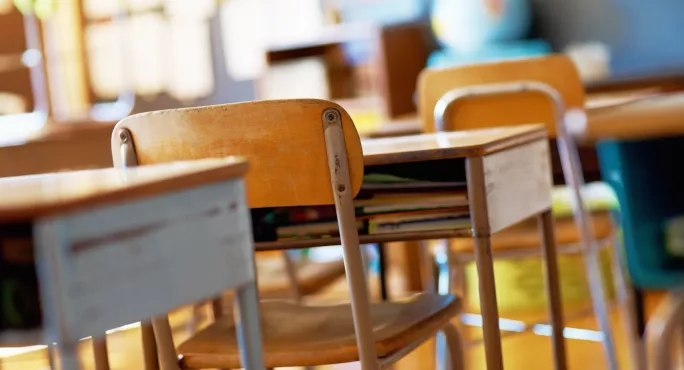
[296, 335]
[311, 276]
[525, 235]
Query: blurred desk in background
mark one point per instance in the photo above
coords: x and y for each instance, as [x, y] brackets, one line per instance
[604, 108]
[58, 147]
[651, 117]
[664, 81]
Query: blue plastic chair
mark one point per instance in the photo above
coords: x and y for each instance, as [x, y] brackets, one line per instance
[650, 191]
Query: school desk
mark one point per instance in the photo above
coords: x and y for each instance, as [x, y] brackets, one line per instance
[508, 176]
[116, 246]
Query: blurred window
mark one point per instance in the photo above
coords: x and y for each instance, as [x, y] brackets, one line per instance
[161, 46]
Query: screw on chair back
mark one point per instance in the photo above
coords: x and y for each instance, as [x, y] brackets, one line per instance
[301, 152]
[283, 141]
[508, 107]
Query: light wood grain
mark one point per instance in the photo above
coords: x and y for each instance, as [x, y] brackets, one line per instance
[608, 115]
[518, 184]
[27, 197]
[283, 141]
[652, 117]
[448, 145]
[295, 335]
[556, 70]
[480, 216]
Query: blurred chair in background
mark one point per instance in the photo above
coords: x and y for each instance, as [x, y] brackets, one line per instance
[549, 90]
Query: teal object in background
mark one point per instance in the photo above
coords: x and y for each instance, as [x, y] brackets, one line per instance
[476, 31]
[468, 25]
[511, 50]
[648, 184]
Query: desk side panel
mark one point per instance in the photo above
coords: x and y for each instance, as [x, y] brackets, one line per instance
[518, 183]
[112, 266]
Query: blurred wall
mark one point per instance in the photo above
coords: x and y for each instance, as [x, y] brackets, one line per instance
[644, 36]
[227, 89]
[12, 43]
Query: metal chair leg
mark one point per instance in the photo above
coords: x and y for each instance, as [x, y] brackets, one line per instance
[149, 345]
[165, 343]
[455, 356]
[100, 353]
[52, 356]
[292, 278]
[625, 299]
[248, 326]
[429, 268]
[195, 317]
[382, 258]
[661, 330]
[68, 356]
[572, 170]
[442, 286]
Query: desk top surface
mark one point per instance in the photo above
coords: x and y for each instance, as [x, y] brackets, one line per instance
[650, 117]
[447, 145]
[610, 116]
[27, 197]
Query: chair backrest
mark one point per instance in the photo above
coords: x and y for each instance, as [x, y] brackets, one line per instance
[283, 141]
[556, 71]
[295, 149]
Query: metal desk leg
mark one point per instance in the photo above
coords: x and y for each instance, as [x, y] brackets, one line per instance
[479, 216]
[382, 258]
[248, 327]
[68, 356]
[553, 291]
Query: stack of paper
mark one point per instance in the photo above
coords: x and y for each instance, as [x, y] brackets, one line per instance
[386, 204]
[396, 204]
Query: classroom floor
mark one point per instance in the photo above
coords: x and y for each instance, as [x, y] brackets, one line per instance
[522, 351]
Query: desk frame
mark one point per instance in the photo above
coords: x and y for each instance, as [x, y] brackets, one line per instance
[573, 176]
[82, 293]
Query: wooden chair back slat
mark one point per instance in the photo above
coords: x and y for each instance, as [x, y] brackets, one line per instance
[557, 71]
[283, 141]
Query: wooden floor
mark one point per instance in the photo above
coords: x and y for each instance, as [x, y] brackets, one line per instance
[522, 351]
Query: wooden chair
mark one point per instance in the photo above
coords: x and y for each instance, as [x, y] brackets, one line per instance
[548, 90]
[281, 276]
[301, 152]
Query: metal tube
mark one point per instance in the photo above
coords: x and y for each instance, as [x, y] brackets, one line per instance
[573, 177]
